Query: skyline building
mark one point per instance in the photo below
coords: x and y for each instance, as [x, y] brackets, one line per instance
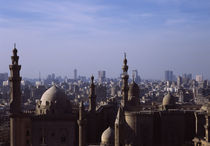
[187, 76]
[3, 77]
[136, 76]
[169, 75]
[101, 76]
[179, 81]
[199, 78]
[75, 74]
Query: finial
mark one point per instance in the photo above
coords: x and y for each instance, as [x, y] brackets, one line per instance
[14, 50]
[125, 59]
[92, 78]
[125, 66]
[15, 57]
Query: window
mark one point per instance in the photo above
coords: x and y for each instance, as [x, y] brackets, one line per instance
[63, 139]
[52, 134]
[27, 133]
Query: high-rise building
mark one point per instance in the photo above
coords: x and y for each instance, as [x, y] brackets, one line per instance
[136, 77]
[75, 74]
[199, 78]
[3, 77]
[101, 76]
[53, 76]
[169, 75]
[186, 77]
[179, 81]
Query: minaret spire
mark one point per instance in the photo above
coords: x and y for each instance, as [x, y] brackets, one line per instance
[92, 96]
[125, 77]
[15, 79]
[125, 66]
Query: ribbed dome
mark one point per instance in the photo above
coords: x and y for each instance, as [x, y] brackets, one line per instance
[168, 100]
[108, 136]
[53, 95]
[133, 90]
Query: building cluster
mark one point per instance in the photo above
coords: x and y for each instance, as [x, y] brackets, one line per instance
[105, 112]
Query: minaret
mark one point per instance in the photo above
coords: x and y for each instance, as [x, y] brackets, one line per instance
[125, 87]
[81, 122]
[15, 101]
[15, 79]
[92, 96]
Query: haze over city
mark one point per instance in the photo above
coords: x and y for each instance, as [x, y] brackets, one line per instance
[59, 36]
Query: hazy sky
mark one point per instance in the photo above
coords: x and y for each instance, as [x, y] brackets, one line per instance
[90, 35]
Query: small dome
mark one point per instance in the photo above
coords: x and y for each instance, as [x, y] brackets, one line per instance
[53, 95]
[206, 107]
[108, 136]
[168, 100]
[133, 91]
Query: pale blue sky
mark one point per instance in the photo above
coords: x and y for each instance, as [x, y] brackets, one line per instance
[90, 35]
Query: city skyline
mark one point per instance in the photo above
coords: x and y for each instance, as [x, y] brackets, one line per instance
[90, 36]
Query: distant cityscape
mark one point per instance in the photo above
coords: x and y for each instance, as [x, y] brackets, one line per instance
[37, 101]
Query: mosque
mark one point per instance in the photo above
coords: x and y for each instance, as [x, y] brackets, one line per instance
[55, 123]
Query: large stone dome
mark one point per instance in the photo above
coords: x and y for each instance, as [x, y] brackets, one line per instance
[107, 137]
[54, 101]
[168, 100]
[53, 95]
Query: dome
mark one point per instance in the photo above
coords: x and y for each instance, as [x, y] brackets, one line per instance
[108, 136]
[168, 100]
[206, 107]
[133, 91]
[53, 95]
[133, 94]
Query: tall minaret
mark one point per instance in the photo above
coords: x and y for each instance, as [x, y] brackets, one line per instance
[81, 122]
[15, 79]
[125, 87]
[92, 96]
[15, 101]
